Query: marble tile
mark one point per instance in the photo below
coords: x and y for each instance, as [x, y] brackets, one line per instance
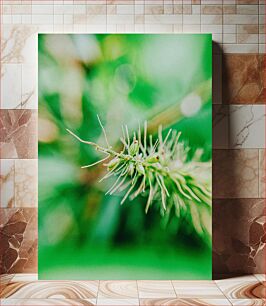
[247, 2]
[262, 171]
[260, 277]
[19, 44]
[18, 129]
[117, 302]
[248, 302]
[118, 289]
[48, 302]
[5, 279]
[243, 79]
[51, 290]
[29, 98]
[197, 289]
[220, 124]
[18, 234]
[24, 277]
[241, 290]
[7, 183]
[235, 173]
[26, 180]
[10, 85]
[239, 245]
[247, 126]
[211, 9]
[183, 302]
[156, 289]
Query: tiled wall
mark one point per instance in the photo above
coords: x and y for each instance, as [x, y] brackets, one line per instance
[238, 27]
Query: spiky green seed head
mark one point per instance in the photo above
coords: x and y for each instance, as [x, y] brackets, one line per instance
[140, 169]
[153, 158]
[113, 163]
[134, 148]
[131, 169]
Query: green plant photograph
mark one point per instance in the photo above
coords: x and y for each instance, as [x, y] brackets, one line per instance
[125, 156]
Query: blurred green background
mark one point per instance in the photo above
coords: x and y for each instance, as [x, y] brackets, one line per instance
[125, 78]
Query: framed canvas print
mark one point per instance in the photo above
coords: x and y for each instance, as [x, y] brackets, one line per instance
[125, 156]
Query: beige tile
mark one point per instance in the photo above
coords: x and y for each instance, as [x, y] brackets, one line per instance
[187, 9]
[191, 19]
[240, 19]
[197, 289]
[184, 302]
[240, 48]
[42, 19]
[163, 19]
[229, 29]
[117, 289]
[48, 302]
[24, 277]
[262, 9]
[247, 29]
[248, 302]
[211, 9]
[125, 9]
[229, 38]
[119, 19]
[51, 290]
[247, 38]
[178, 9]
[21, 9]
[229, 9]
[118, 302]
[10, 85]
[26, 179]
[29, 99]
[153, 9]
[260, 277]
[211, 28]
[247, 9]
[195, 9]
[93, 9]
[156, 289]
[42, 9]
[211, 19]
[191, 28]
